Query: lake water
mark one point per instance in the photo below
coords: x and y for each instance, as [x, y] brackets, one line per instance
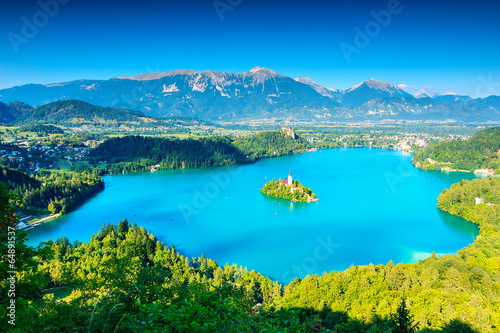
[374, 207]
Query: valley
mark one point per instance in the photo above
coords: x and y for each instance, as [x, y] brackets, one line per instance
[236, 166]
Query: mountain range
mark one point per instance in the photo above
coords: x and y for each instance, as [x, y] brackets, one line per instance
[260, 93]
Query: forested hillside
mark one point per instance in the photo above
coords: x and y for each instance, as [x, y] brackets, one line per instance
[270, 144]
[41, 129]
[17, 180]
[57, 193]
[11, 111]
[137, 153]
[60, 193]
[79, 112]
[481, 151]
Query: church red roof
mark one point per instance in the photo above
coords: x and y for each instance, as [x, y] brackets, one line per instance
[284, 181]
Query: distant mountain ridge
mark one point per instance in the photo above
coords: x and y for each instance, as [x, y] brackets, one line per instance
[13, 110]
[259, 93]
[71, 111]
[77, 113]
[424, 93]
[369, 90]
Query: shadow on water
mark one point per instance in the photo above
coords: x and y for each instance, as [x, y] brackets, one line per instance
[294, 206]
[459, 225]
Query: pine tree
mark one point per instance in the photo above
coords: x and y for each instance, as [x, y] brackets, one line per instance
[404, 321]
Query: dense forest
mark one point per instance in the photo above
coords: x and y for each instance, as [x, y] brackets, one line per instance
[11, 111]
[60, 193]
[125, 280]
[40, 129]
[481, 151]
[275, 189]
[270, 144]
[57, 193]
[17, 180]
[137, 153]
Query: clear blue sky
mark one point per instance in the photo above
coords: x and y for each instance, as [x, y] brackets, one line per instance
[446, 45]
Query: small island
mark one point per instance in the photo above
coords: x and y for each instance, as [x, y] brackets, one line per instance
[289, 189]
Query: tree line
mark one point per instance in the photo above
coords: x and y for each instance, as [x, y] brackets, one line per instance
[480, 151]
[41, 129]
[270, 144]
[138, 153]
[55, 192]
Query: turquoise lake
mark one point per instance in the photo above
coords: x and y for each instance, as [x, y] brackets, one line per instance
[374, 207]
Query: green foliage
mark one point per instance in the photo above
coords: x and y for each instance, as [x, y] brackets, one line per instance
[16, 256]
[17, 180]
[59, 193]
[137, 153]
[481, 151]
[63, 190]
[270, 144]
[125, 280]
[460, 200]
[42, 129]
[456, 326]
[403, 319]
[78, 112]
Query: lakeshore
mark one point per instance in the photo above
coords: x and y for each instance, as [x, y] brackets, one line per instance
[200, 217]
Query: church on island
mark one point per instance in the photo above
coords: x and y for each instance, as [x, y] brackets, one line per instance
[288, 181]
[289, 189]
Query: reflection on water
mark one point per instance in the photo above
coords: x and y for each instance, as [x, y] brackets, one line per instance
[459, 225]
[293, 206]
